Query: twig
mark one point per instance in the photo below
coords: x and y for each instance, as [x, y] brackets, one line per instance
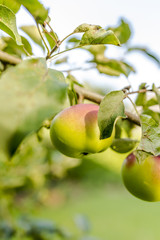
[79, 68]
[92, 96]
[5, 57]
[52, 51]
[133, 118]
[58, 43]
[133, 106]
[45, 30]
[67, 37]
[141, 91]
[49, 56]
[42, 38]
[27, 53]
[97, 98]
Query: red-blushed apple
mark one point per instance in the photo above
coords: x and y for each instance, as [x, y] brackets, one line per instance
[142, 179]
[75, 132]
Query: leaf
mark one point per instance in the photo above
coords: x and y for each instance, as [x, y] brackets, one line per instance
[72, 95]
[86, 27]
[150, 141]
[123, 31]
[151, 102]
[157, 93]
[50, 39]
[13, 5]
[12, 48]
[32, 32]
[141, 97]
[36, 9]
[146, 51]
[29, 94]
[123, 145]
[8, 23]
[113, 67]
[128, 68]
[111, 108]
[101, 36]
[141, 155]
[153, 114]
[27, 45]
[1, 67]
[61, 60]
[123, 128]
[108, 70]
[2, 44]
[70, 78]
[96, 50]
[74, 40]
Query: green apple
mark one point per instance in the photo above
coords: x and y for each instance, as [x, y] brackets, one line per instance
[142, 179]
[75, 132]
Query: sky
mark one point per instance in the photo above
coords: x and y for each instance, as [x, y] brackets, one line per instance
[144, 18]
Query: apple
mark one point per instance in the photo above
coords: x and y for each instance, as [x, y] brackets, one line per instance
[142, 179]
[75, 132]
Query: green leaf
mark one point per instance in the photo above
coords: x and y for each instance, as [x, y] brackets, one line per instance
[26, 45]
[123, 31]
[96, 50]
[141, 155]
[61, 60]
[12, 48]
[157, 92]
[72, 95]
[50, 39]
[111, 108]
[1, 67]
[123, 145]
[123, 128]
[36, 9]
[101, 36]
[29, 94]
[71, 79]
[12, 4]
[146, 51]
[86, 27]
[141, 97]
[2, 44]
[33, 33]
[108, 70]
[73, 40]
[151, 102]
[150, 141]
[8, 23]
[153, 114]
[112, 67]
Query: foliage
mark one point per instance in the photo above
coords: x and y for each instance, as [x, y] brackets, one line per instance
[31, 94]
[42, 229]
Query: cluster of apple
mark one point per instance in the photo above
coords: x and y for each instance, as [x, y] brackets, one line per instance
[75, 133]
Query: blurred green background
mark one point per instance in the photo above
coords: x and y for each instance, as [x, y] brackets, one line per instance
[45, 195]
